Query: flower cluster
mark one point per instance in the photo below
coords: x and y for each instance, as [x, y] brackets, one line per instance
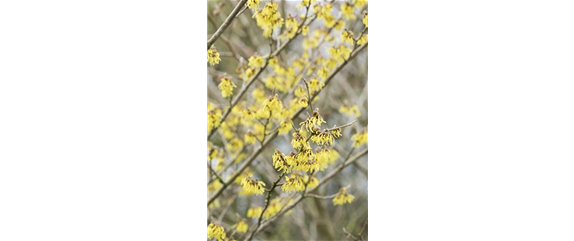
[254, 212]
[280, 87]
[350, 110]
[360, 138]
[226, 87]
[252, 186]
[343, 197]
[215, 231]
[213, 56]
[293, 183]
[268, 19]
[241, 227]
[253, 4]
[291, 27]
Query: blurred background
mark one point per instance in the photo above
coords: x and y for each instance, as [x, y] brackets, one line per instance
[312, 219]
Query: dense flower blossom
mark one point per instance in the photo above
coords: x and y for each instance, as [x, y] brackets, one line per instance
[241, 227]
[253, 4]
[360, 138]
[213, 56]
[215, 231]
[226, 87]
[252, 186]
[343, 197]
[268, 19]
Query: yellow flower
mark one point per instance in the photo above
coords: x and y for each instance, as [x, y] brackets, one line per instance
[215, 231]
[325, 156]
[214, 204]
[340, 53]
[347, 36]
[273, 104]
[235, 145]
[304, 160]
[340, 24]
[300, 91]
[315, 85]
[227, 131]
[250, 138]
[256, 61]
[253, 4]
[293, 183]
[273, 208]
[273, 61]
[348, 11]
[280, 162]
[285, 127]
[291, 27]
[248, 74]
[355, 111]
[314, 182]
[242, 176]
[226, 87]
[214, 186]
[254, 212]
[259, 95]
[303, 102]
[298, 140]
[366, 20]
[337, 132]
[268, 19]
[350, 110]
[210, 106]
[323, 138]
[219, 166]
[213, 56]
[212, 153]
[305, 30]
[315, 121]
[213, 119]
[323, 72]
[252, 186]
[304, 3]
[329, 20]
[360, 3]
[241, 227]
[360, 138]
[363, 39]
[343, 197]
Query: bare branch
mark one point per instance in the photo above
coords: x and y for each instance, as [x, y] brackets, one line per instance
[225, 24]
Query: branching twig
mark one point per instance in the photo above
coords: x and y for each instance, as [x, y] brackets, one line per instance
[274, 133]
[267, 201]
[301, 197]
[225, 24]
[252, 80]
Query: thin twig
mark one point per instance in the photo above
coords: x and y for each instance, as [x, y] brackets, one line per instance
[320, 197]
[267, 202]
[225, 24]
[363, 229]
[252, 80]
[274, 133]
[301, 197]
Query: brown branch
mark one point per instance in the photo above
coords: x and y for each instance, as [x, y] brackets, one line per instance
[320, 197]
[301, 197]
[363, 229]
[274, 133]
[246, 87]
[243, 167]
[226, 23]
[267, 201]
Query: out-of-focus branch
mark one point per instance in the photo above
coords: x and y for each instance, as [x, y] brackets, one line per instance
[246, 87]
[243, 167]
[363, 229]
[225, 24]
[320, 197]
[274, 134]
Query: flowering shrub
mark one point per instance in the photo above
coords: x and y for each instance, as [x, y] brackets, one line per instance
[287, 120]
